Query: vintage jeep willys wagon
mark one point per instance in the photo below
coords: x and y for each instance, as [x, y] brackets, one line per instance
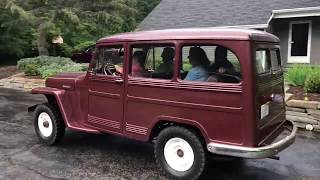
[189, 91]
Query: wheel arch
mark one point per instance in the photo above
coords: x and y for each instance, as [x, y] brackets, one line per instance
[53, 97]
[164, 122]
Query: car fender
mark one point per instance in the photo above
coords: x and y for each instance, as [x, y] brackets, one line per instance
[57, 93]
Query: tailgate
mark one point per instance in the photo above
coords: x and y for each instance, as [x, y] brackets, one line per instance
[270, 106]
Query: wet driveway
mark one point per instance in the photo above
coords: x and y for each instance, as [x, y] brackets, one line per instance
[89, 156]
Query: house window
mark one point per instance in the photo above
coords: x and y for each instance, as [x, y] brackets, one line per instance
[152, 61]
[209, 63]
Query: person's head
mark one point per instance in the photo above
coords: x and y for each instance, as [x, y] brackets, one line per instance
[167, 55]
[221, 53]
[198, 57]
[138, 57]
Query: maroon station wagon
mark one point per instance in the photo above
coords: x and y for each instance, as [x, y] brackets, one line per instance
[191, 92]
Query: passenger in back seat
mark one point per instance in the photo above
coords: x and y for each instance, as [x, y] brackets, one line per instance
[221, 64]
[200, 64]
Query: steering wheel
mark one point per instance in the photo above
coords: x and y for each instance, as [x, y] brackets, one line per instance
[109, 69]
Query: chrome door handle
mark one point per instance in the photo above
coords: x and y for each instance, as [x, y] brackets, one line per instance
[118, 80]
[66, 87]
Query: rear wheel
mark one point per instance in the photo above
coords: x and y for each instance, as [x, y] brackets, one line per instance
[180, 153]
[48, 124]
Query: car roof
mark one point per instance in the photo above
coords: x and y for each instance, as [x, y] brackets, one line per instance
[192, 34]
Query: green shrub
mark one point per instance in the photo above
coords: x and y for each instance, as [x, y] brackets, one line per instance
[46, 66]
[54, 68]
[64, 50]
[186, 66]
[297, 74]
[31, 70]
[312, 84]
[83, 45]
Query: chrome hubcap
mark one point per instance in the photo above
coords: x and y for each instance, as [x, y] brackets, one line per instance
[45, 124]
[178, 154]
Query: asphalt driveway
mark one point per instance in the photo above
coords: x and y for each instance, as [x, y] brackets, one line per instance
[88, 156]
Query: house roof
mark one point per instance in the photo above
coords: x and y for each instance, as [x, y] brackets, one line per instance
[194, 33]
[214, 13]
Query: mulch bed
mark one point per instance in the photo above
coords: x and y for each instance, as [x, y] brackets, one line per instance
[300, 94]
[8, 71]
[28, 77]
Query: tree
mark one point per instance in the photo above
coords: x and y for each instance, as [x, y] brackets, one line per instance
[144, 7]
[72, 18]
[36, 22]
[16, 31]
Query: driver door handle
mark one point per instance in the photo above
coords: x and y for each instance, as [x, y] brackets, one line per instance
[118, 80]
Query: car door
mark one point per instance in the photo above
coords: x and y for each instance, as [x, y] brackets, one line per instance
[106, 89]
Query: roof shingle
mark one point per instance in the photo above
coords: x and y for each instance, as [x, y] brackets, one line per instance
[213, 13]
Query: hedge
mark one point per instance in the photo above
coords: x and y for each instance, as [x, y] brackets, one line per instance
[46, 66]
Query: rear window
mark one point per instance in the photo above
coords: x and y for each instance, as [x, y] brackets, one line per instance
[267, 60]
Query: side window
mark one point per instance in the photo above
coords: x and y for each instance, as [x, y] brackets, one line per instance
[275, 59]
[109, 61]
[263, 64]
[210, 64]
[155, 62]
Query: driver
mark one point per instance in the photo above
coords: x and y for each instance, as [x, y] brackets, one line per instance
[137, 68]
[138, 61]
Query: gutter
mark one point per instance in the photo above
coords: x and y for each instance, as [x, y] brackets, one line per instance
[281, 14]
[296, 12]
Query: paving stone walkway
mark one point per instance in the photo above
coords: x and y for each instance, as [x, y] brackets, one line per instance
[21, 82]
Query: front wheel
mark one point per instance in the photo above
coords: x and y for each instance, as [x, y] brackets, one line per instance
[180, 153]
[48, 124]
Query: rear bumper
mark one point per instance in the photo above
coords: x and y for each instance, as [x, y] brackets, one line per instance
[255, 152]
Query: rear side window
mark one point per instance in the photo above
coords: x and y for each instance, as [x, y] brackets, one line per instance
[263, 63]
[275, 59]
[209, 63]
[267, 60]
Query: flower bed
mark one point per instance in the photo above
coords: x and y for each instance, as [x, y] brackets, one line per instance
[303, 105]
[8, 71]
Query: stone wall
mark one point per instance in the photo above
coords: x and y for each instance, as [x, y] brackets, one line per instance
[21, 82]
[306, 114]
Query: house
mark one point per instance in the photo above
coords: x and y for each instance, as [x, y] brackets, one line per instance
[295, 22]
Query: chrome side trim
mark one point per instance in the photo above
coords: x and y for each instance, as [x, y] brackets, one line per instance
[252, 152]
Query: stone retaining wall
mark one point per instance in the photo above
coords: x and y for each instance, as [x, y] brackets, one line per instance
[306, 114]
[21, 82]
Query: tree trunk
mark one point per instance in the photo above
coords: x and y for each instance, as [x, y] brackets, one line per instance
[42, 40]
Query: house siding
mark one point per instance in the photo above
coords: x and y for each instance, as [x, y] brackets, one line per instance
[315, 42]
[280, 27]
